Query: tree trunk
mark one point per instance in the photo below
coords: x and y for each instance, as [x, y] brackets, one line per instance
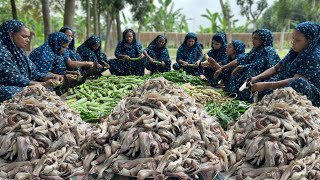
[254, 23]
[46, 18]
[88, 19]
[95, 17]
[108, 29]
[118, 26]
[14, 10]
[282, 38]
[227, 16]
[139, 31]
[69, 10]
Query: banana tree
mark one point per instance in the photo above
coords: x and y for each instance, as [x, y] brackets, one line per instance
[212, 17]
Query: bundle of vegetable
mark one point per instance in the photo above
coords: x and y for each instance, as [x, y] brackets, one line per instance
[271, 137]
[227, 110]
[203, 94]
[39, 136]
[157, 132]
[96, 98]
[180, 77]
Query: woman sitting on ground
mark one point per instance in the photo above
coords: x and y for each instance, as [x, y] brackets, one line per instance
[130, 59]
[158, 55]
[49, 57]
[72, 58]
[189, 55]
[236, 50]
[90, 50]
[261, 57]
[300, 68]
[218, 55]
[16, 69]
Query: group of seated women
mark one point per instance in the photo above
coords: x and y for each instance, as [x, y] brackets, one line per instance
[225, 64]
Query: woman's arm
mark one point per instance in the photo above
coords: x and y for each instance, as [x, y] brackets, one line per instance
[266, 74]
[261, 86]
[76, 64]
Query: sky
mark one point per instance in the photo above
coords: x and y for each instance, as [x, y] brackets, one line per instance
[194, 8]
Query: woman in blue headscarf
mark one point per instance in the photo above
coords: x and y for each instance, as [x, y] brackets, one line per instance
[189, 55]
[90, 50]
[236, 50]
[261, 57]
[217, 57]
[300, 68]
[49, 56]
[72, 58]
[16, 69]
[157, 52]
[127, 49]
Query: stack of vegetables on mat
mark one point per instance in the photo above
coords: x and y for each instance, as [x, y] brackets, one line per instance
[96, 98]
[181, 77]
[226, 109]
[278, 138]
[40, 136]
[158, 132]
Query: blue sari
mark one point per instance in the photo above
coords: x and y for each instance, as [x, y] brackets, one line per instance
[220, 55]
[306, 63]
[48, 57]
[240, 49]
[255, 62]
[88, 54]
[16, 69]
[71, 50]
[128, 67]
[160, 54]
[190, 55]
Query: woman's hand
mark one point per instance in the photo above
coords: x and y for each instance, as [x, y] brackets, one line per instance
[51, 83]
[71, 76]
[140, 56]
[197, 63]
[163, 63]
[184, 63]
[236, 70]
[89, 64]
[211, 61]
[57, 77]
[218, 73]
[126, 57]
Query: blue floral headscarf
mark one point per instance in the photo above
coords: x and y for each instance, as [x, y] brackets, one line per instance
[193, 52]
[48, 57]
[16, 69]
[310, 53]
[87, 53]
[220, 54]
[239, 48]
[153, 45]
[71, 50]
[134, 49]
[264, 50]
[72, 43]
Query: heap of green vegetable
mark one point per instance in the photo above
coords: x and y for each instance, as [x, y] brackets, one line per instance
[181, 77]
[228, 111]
[97, 98]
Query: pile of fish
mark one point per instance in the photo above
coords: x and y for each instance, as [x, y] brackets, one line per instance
[273, 136]
[39, 136]
[157, 132]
